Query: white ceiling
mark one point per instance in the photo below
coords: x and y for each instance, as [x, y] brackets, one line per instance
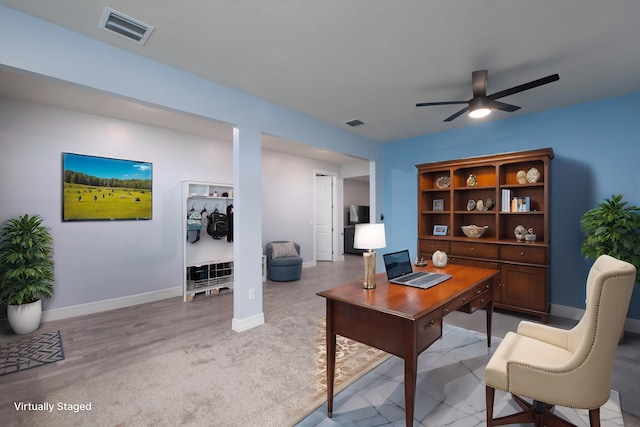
[375, 59]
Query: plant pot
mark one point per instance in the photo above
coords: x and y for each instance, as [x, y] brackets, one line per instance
[25, 318]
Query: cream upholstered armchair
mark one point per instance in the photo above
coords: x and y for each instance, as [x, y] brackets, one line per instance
[570, 368]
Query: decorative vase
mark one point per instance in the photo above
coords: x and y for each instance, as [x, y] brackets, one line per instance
[520, 232]
[439, 258]
[25, 318]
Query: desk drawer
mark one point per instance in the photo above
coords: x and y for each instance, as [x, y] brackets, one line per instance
[480, 250]
[470, 301]
[525, 253]
[479, 300]
[429, 330]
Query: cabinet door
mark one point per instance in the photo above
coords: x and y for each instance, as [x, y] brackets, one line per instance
[524, 287]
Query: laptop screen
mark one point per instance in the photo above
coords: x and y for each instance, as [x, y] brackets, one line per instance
[397, 264]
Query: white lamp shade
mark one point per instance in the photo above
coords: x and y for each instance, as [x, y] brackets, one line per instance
[369, 236]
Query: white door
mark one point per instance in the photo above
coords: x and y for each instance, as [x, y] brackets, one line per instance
[324, 216]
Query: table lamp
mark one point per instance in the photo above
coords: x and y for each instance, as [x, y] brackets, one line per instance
[370, 237]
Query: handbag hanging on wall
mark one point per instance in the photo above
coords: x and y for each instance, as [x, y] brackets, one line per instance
[194, 225]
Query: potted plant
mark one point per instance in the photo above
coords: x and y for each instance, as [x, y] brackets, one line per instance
[26, 271]
[613, 228]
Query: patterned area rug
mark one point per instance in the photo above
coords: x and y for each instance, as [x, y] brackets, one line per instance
[351, 356]
[353, 360]
[269, 376]
[30, 352]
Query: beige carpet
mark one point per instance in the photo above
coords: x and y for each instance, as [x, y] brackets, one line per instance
[272, 375]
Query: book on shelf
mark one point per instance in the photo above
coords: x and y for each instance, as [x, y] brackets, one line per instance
[521, 204]
[505, 202]
[510, 203]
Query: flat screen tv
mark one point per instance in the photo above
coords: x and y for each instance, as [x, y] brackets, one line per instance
[105, 189]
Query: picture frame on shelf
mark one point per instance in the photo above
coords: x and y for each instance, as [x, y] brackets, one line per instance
[440, 230]
[438, 205]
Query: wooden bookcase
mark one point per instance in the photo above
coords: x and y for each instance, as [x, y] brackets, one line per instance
[444, 193]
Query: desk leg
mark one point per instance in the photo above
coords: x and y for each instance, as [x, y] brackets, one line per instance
[489, 309]
[410, 372]
[331, 360]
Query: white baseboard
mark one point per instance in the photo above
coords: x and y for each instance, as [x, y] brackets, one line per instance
[241, 325]
[110, 304]
[630, 325]
[309, 264]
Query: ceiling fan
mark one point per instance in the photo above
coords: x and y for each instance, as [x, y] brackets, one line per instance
[481, 104]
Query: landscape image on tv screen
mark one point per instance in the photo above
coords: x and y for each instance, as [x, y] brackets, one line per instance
[105, 189]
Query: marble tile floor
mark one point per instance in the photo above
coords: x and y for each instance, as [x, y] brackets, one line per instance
[450, 391]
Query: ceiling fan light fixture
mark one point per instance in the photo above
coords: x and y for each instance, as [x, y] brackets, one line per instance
[479, 113]
[478, 108]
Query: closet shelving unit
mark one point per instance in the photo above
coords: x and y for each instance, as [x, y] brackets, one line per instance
[208, 266]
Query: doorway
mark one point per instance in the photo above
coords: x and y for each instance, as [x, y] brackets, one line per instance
[324, 216]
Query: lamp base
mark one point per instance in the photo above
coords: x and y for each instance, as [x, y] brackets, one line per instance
[369, 270]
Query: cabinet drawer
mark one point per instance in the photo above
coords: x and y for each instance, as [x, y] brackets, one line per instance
[429, 330]
[524, 253]
[430, 246]
[480, 250]
[475, 263]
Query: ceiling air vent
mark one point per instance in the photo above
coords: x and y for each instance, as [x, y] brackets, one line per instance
[125, 26]
[354, 122]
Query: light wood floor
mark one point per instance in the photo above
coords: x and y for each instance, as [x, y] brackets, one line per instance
[97, 343]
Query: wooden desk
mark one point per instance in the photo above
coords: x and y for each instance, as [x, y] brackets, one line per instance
[402, 320]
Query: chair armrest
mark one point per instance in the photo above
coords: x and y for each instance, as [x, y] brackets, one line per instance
[544, 333]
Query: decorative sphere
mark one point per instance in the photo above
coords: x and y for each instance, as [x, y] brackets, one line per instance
[439, 258]
[533, 175]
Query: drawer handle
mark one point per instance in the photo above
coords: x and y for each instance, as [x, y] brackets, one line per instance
[464, 298]
[478, 292]
[521, 253]
[430, 324]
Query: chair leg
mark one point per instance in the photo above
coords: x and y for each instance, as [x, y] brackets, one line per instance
[490, 393]
[594, 417]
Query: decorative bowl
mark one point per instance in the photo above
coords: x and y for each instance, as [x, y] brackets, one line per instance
[473, 231]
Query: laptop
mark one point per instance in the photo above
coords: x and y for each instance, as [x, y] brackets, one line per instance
[400, 272]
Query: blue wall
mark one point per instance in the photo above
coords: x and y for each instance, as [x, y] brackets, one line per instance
[597, 154]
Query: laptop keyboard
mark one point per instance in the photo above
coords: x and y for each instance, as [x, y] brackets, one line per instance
[410, 276]
[423, 280]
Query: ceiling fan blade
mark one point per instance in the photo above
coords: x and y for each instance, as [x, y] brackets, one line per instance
[479, 82]
[426, 104]
[456, 115]
[502, 106]
[526, 86]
